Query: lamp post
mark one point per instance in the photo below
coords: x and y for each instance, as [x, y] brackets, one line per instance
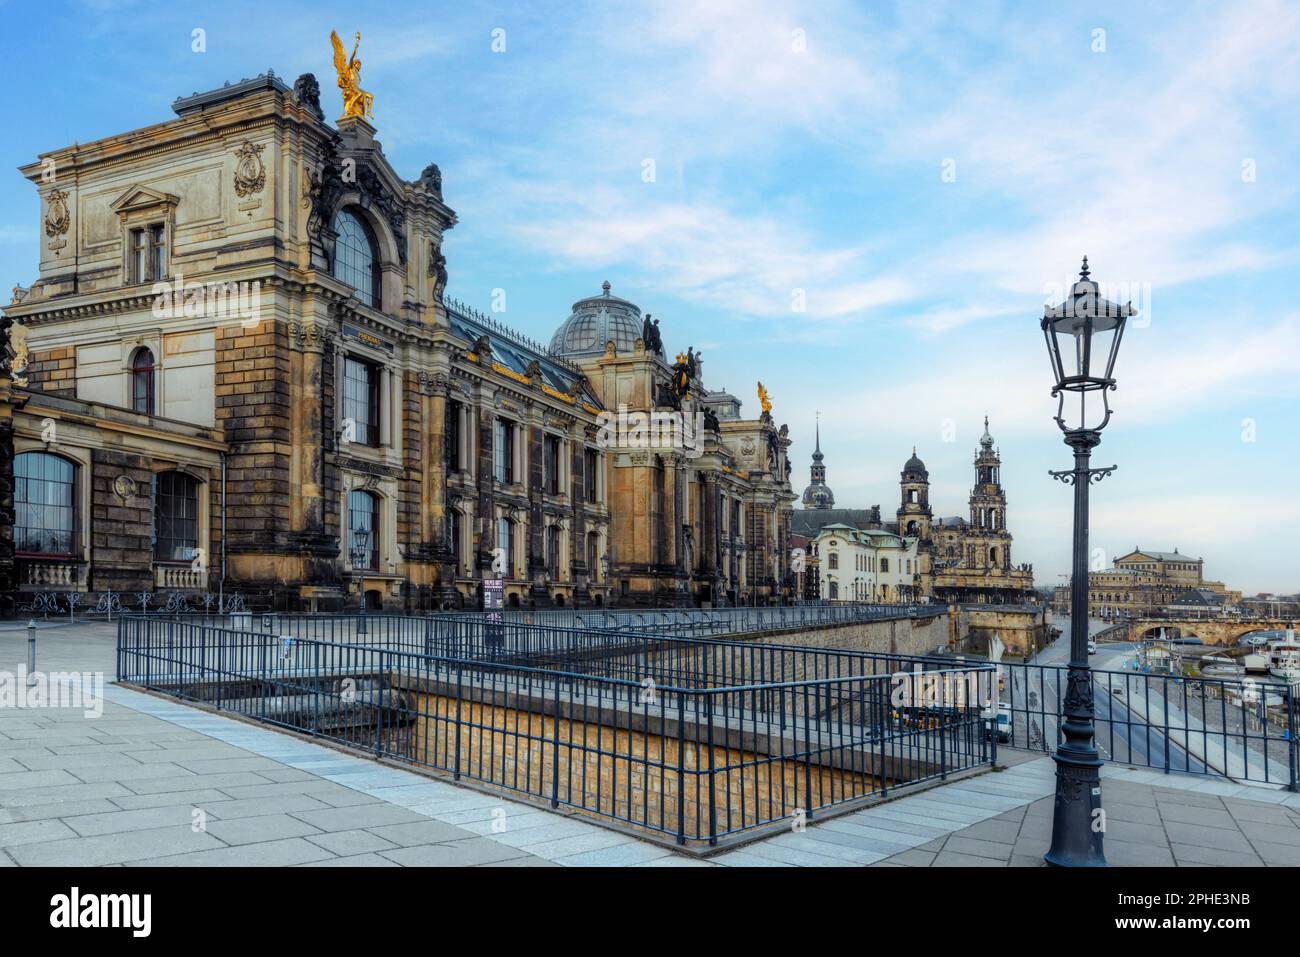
[360, 538]
[1090, 328]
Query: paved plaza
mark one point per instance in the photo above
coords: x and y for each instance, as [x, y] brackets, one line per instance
[152, 781]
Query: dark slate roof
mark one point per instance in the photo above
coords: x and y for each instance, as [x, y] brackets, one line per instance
[810, 521]
[1161, 556]
[1199, 596]
[516, 351]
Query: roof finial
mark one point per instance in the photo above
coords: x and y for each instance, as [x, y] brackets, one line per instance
[605, 285]
[1083, 273]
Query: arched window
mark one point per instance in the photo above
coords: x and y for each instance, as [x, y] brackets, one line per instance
[175, 517]
[142, 377]
[993, 556]
[835, 590]
[355, 261]
[44, 505]
[363, 515]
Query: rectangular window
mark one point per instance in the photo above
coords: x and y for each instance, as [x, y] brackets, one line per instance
[504, 452]
[590, 462]
[551, 464]
[453, 536]
[148, 253]
[176, 517]
[452, 433]
[157, 252]
[360, 401]
[553, 552]
[506, 542]
[884, 564]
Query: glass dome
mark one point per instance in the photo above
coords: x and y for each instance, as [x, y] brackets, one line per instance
[596, 321]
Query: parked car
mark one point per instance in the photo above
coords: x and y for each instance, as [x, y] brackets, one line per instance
[1092, 647]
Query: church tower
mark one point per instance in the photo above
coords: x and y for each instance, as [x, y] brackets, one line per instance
[817, 494]
[989, 539]
[914, 511]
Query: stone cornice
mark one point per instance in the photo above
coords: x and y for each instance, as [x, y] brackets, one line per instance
[252, 113]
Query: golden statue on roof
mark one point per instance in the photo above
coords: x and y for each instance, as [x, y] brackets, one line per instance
[356, 101]
[764, 399]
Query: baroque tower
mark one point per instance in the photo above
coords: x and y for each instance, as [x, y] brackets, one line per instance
[817, 494]
[990, 544]
[914, 513]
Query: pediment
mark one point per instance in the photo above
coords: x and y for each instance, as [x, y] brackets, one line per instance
[142, 197]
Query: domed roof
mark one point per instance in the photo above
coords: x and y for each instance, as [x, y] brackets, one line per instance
[818, 495]
[914, 464]
[594, 322]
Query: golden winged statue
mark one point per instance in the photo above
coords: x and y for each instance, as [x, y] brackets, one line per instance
[764, 399]
[356, 101]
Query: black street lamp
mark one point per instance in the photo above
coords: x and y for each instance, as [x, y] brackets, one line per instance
[1090, 328]
[360, 555]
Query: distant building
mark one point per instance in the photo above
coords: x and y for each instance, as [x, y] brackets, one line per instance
[1200, 601]
[867, 565]
[1145, 582]
[965, 560]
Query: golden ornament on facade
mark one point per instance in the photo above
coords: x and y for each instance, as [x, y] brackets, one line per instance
[57, 215]
[764, 399]
[250, 173]
[356, 101]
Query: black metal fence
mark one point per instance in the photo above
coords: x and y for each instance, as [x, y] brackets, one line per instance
[694, 739]
[1243, 728]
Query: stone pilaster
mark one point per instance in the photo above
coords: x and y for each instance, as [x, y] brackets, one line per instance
[9, 403]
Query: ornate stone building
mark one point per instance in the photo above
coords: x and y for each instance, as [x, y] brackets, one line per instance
[958, 559]
[237, 371]
[1144, 582]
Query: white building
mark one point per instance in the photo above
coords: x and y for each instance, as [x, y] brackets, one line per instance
[867, 565]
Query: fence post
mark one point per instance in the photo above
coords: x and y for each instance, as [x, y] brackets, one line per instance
[261, 697]
[555, 747]
[456, 767]
[943, 729]
[379, 705]
[880, 696]
[31, 652]
[1290, 732]
[807, 759]
[713, 805]
[681, 769]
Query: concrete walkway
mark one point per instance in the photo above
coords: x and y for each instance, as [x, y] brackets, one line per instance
[151, 781]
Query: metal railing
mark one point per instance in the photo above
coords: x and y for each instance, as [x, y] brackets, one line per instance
[691, 739]
[692, 622]
[1243, 728]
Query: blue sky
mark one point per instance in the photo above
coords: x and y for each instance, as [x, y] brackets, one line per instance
[804, 146]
